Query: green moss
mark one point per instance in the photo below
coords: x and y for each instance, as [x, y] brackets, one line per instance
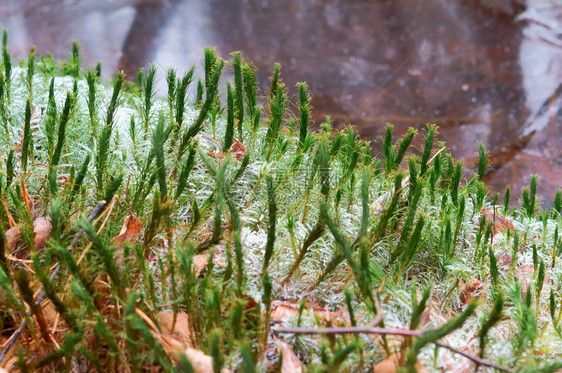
[294, 215]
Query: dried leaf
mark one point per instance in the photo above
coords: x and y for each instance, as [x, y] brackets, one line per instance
[500, 223]
[238, 150]
[469, 291]
[504, 259]
[220, 156]
[525, 275]
[41, 230]
[12, 236]
[392, 364]
[283, 311]
[200, 362]
[181, 329]
[290, 362]
[202, 260]
[50, 314]
[131, 230]
[389, 365]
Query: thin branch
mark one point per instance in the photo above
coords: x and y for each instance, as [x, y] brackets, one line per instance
[13, 338]
[447, 296]
[352, 330]
[474, 358]
[401, 332]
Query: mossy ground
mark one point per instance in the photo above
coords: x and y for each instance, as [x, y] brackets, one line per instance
[225, 221]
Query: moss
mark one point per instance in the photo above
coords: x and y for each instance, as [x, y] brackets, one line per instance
[241, 212]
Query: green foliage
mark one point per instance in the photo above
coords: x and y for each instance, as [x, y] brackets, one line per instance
[27, 141]
[482, 161]
[225, 234]
[272, 208]
[238, 92]
[528, 202]
[305, 112]
[229, 133]
[506, 199]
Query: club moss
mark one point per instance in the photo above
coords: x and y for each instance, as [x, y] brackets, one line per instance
[243, 206]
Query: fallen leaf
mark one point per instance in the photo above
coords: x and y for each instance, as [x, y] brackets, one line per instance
[525, 275]
[131, 230]
[238, 150]
[181, 329]
[41, 231]
[469, 291]
[12, 236]
[282, 311]
[201, 261]
[504, 259]
[50, 314]
[290, 362]
[200, 362]
[220, 156]
[500, 223]
[250, 303]
[391, 365]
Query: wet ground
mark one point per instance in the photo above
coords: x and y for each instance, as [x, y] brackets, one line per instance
[488, 70]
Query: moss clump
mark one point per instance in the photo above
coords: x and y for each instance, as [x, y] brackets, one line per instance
[186, 231]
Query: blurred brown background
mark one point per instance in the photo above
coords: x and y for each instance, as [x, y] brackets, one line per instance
[488, 70]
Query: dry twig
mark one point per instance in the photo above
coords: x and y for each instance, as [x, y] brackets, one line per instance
[385, 331]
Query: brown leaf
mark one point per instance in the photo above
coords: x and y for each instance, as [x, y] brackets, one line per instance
[391, 365]
[200, 362]
[525, 275]
[238, 150]
[41, 231]
[283, 311]
[290, 362]
[504, 259]
[468, 291]
[201, 262]
[181, 329]
[131, 230]
[500, 223]
[220, 156]
[12, 236]
[50, 314]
